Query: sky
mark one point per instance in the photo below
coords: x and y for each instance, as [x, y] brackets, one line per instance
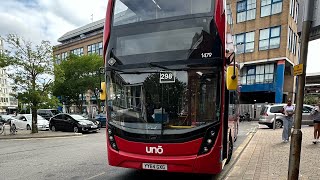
[37, 20]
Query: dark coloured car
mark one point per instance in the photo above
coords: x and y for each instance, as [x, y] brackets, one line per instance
[47, 113]
[72, 122]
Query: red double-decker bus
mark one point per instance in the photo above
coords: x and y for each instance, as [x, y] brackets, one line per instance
[171, 99]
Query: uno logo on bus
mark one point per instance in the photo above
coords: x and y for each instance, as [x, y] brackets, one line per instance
[154, 150]
[206, 55]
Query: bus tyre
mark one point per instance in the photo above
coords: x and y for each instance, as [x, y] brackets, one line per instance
[230, 144]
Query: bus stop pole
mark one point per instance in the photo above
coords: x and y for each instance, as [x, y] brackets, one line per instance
[296, 138]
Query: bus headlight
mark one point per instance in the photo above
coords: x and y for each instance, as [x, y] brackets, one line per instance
[208, 140]
[112, 140]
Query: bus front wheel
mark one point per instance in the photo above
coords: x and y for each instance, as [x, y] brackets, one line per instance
[230, 144]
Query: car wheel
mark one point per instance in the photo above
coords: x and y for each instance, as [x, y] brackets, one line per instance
[278, 124]
[75, 129]
[28, 127]
[53, 128]
[230, 150]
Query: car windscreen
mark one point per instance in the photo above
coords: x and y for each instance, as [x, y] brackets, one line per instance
[54, 112]
[78, 117]
[276, 109]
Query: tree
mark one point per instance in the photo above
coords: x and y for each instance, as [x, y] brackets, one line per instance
[77, 75]
[31, 69]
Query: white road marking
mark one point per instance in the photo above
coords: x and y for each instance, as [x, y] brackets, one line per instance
[96, 175]
[28, 139]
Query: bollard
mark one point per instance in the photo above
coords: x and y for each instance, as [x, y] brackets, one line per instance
[274, 122]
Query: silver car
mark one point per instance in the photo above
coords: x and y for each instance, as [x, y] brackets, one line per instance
[270, 112]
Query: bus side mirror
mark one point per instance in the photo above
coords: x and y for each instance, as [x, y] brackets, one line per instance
[103, 91]
[232, 78]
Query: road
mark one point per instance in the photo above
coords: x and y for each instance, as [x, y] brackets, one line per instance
[73, 158]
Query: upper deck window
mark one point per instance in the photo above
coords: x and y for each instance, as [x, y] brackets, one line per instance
[131, 11]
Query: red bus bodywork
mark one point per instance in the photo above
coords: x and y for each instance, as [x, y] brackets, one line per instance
[133, 154]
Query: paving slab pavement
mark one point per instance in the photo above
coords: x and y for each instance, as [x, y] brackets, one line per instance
[26, 134]
[267, 157]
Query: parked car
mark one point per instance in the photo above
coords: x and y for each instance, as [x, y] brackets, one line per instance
[24, 121]
[47, 113]
[268, 113]
[102, 119]
[72, 122]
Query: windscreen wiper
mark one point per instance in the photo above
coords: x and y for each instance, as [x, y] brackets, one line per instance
[158, 66]
[108, 68]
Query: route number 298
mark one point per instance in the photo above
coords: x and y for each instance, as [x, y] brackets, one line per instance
[167, 77]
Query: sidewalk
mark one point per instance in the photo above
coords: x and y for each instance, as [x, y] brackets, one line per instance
[26, 134]
[267, 157]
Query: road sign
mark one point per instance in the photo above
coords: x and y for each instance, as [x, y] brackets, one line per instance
[298, 69]
[315, 31]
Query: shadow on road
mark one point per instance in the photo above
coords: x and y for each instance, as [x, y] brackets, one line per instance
[156, 175]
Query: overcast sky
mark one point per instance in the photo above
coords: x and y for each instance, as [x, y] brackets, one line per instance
[38, 20]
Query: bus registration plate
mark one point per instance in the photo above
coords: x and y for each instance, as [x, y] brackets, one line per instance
[160, 167]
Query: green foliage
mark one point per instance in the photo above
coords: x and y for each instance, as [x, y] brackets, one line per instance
[311, 99]
[31, 69]
[75, 76]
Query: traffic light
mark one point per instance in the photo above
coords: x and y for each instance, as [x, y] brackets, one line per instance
[103, 91]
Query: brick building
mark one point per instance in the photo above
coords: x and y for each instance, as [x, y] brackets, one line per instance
[81, 41]
[267, 48]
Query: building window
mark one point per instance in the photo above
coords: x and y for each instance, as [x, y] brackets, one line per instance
[292, 41]
[269, 38]
[229, 14]
[78, 51]
[57, 58]
[292, 2]
[64, 56]
[245, 42]
[95, 48]
[296, 12]
[249, 75]
[270, 7]
[260, 74]
[289, 39]
[246, 10]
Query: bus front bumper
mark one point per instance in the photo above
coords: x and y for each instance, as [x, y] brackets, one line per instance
[204, 164]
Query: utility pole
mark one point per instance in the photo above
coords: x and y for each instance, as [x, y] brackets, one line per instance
[296, 138]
